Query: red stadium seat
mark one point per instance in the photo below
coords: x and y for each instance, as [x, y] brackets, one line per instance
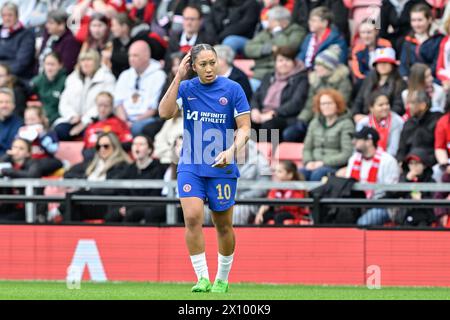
[289, 151]
[70, 151]
[245, 65]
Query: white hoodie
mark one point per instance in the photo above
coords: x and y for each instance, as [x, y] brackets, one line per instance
[137, 102]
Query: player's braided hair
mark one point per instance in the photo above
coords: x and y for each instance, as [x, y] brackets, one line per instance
[195, 51]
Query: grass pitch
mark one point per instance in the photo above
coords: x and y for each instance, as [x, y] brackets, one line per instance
[31, 290]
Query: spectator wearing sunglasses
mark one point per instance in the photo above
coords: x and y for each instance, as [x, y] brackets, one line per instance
[138, 88]
[109, 162]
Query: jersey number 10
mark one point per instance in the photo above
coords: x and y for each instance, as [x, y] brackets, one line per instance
[223, 193]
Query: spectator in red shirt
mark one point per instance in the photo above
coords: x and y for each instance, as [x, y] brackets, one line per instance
[106, 121]
[442, 144]
[284, 171]
[84, 10]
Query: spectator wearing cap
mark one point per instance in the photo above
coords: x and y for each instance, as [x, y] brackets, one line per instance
[417, 169]
[418, 131]
[278, 100]
[17, 44]
[138, 89]
[385, 79]
[226, 68]
[279, 33]
[9, 122]
[370, 164]
[58, 38]
[388, 124]
[327, 144]
[442, 144]
[328, 73]
[322, 35]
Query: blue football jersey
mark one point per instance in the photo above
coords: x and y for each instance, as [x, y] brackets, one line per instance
[209, 112]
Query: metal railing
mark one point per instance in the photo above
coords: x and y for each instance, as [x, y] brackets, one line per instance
[171, 201]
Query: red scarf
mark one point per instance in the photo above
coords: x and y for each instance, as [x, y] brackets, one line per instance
[148, 13]
[383, 130]
[373, 172]
[7, 32]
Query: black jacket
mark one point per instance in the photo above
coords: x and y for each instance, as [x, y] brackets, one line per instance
[79, 172]
[240, 77]
[302, 9]
[119, 56]
[401, 24]
[419, 133]
[233, 17]
[392, 88]
[415, 216]
[30, 169]
[293, 97]
[18, 52]
[336, 187]
[155, 171]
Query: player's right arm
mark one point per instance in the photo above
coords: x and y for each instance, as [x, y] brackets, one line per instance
[168, 106]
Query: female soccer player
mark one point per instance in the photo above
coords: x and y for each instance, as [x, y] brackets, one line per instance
[212, 106]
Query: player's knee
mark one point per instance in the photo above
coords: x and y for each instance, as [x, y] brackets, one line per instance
[224, 229]
[192, 222]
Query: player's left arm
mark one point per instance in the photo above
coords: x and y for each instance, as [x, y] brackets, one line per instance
[242, 136]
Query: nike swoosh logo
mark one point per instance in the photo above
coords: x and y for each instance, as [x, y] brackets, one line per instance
[190, 98]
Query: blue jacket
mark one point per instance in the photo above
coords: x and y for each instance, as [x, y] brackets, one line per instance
[335, 37]
[18, 52]
[360, 58]
[8, 131]
[426, 53]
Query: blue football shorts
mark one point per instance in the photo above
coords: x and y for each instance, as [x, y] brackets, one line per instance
[220, 192]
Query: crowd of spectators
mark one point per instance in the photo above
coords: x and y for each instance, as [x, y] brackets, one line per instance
[368, 97]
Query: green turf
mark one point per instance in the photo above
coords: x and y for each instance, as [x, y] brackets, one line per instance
[10, 290]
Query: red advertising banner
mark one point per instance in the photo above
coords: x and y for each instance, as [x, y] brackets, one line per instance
[335, 256]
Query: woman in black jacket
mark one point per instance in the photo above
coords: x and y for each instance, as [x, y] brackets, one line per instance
[384, 78]
[109, 162]
[282, 94]
[146, 168]
[17, 163]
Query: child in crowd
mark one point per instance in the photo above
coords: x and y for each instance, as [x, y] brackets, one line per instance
[284, 171]
[44, 142]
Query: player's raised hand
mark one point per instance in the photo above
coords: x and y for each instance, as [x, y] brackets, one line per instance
[185, 66]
